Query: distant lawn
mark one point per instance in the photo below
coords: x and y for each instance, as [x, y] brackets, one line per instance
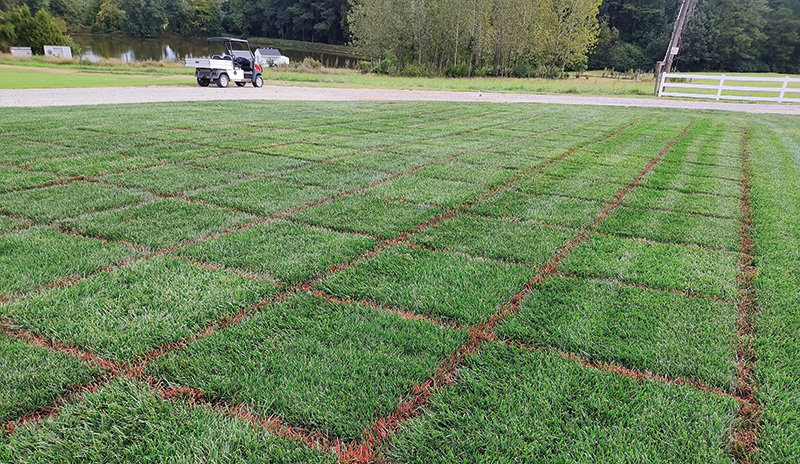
[512, 283]
[20, 77]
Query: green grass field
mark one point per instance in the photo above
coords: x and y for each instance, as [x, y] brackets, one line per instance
[401, 282]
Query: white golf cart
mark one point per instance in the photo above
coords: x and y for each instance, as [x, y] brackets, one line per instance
[231, 60]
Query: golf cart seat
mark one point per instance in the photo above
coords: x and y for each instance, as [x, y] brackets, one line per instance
[243, 63]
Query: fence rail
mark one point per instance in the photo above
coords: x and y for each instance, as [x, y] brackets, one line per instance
[781, 87]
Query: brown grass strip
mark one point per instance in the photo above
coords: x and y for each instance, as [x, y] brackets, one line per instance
[745, 436]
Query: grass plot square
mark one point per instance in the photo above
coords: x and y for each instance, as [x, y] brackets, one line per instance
[131, 310]
[334, 176]
[647, 330]
[124, 422]
[92, 165]
[40, 256]
[673, 227]
[13, 178]
[250, 163]
[583, 189]
[8, 224]
[262, 196]
[33, 376]
[522, 242]
[417, 188]
[330, 367]
[447, 286]
[669, 267]
[511, 405]
[282, 250]
[691, 184]
[68, 200]
[170, 179]
[545, 208]
[160, 224]
[671, 200]
[367, 215]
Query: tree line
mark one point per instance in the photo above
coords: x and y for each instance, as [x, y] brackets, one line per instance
[723, 35]
[456, 37]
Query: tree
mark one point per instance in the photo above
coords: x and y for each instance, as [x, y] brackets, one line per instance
[110, 18]
[7, 33]
[143, 18]
[33, 31]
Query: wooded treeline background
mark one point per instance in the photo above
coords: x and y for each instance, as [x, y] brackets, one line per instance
[455, 37]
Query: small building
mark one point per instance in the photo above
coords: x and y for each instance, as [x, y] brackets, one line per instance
[58, 51]
[270, 58]
[22, 51]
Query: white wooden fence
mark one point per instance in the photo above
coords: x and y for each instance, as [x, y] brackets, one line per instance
[778, 86]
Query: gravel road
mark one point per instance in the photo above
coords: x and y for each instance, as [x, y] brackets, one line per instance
[119, 95]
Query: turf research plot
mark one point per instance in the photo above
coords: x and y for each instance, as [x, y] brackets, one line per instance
[423, 282]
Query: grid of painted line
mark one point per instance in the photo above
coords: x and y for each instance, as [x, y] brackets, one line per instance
[475, 217]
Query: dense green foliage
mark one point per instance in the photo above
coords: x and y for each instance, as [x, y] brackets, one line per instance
[466, 37]
[18, 27]
[452, 37]
[728, 35]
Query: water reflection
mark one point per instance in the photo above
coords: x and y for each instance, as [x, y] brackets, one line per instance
[94, 48]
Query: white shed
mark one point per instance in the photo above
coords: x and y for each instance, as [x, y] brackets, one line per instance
[58, 51]
[270, 57]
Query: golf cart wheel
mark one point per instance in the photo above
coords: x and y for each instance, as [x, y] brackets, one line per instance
[259, 82]
[241, 84]
[223, 80]
[203, 82]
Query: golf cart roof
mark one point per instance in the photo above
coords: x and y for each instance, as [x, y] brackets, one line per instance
[225, 39]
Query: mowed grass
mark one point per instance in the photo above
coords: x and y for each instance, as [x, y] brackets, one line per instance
[291, 264]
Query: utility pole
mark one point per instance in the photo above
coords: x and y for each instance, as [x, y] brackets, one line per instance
[681, 23]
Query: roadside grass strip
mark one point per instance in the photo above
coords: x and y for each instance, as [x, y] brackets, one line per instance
[67, 200]
[332, 367]
[582, 189]
[691, 184]
[775, 339]
[694, 203]
[511, 405]
[13, 178]
[367, 215]
[8, 224]
[514, 241]
[709, 273]
[32, 377]
[92, 165]
[250, 163]
[641, 329]
[552, 209]
[418, 188]
[170, 179]
[41, 256]
[124, 422]
[668, 227]
[158, 225]
[129, 311]
[450, 287]
[281, 250]
[333, 176]
[262, 197]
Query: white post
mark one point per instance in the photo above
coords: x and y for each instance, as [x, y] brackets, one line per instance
[721, 83]
[661, 85]
[783, 89]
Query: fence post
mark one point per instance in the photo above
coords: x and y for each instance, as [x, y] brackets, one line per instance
[721, 84]
[661, 85]
[783, 89]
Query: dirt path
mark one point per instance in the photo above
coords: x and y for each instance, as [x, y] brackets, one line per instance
[120, 95]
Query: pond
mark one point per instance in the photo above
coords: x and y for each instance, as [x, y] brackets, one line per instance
[94, 48]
